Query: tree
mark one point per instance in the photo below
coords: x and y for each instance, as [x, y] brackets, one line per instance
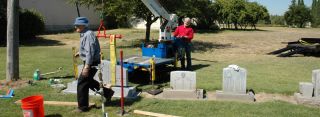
[141, 11]
[240, 13]
[315, 12]
[301, 2]
[123, 10]
[203, 10]
[297, 15]
[230, 11]
[277, 20]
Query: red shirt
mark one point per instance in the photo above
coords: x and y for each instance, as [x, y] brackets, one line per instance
[184, 31]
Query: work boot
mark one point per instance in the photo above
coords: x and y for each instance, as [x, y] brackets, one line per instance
[108, 93]
[77, 110]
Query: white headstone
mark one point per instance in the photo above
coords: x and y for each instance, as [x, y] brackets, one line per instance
[183, 80]
[316, 82]
[234, 80]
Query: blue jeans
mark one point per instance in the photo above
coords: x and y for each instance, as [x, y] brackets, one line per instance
[184, 51]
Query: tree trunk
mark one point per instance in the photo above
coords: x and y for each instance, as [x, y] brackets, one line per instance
[301, 25]
[236, 25]
[148, 29]
[228, 25]
[149, 21]
[12, 40]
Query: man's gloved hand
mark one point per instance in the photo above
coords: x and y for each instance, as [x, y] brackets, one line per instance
[77, 54]
[85, 71]
[182, 37]
[107, 86]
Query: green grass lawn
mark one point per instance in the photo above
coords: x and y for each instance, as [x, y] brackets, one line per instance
[213, 52]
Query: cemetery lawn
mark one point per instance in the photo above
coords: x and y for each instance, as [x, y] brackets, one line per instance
[212, 52]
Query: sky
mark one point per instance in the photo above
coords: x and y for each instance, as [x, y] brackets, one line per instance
[279, 7]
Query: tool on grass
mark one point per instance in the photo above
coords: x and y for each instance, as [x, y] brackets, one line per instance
[9, 94]
[37, 75]
[75, 66]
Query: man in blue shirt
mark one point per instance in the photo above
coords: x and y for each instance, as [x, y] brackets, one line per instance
[89, 53]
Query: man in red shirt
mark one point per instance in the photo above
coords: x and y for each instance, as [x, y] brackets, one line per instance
[184, 35]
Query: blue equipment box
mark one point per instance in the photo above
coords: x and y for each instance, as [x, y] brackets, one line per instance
[159, 52]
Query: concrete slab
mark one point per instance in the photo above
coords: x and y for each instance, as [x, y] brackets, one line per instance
[129, 92]
[72, 88]
[306, 89]
[220, 95]
[182, 94]
[311, 101]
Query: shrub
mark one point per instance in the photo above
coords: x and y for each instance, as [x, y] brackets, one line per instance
[3, 21]
[31, 23]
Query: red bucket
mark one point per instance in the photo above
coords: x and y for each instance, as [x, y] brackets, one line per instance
[32, 106]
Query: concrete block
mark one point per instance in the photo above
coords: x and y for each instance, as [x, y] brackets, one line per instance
[106, 73]
[72, 88]
[316, 82]
[182, 94]
[220, 95]
[311, 101]
[306, 89]
[234, 81]
[128, 92]
[183, 80]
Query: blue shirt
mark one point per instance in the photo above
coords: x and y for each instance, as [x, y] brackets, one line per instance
[89, 50]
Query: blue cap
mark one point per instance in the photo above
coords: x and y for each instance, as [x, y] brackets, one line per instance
[81, 21]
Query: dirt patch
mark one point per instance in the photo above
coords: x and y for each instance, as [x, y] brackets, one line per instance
[264, 97]
[4, 85]
[260, 98]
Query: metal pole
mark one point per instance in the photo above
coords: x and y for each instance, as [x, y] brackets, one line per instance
[122, 95]
[12, 40]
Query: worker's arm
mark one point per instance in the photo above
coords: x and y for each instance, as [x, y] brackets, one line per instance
[189, 34]
[176, 32]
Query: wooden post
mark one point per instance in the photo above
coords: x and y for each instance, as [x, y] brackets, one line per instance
[75, 66]
[12, 40]
[152, 114]
[113, 59]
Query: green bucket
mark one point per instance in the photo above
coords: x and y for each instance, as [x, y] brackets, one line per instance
[36, 75]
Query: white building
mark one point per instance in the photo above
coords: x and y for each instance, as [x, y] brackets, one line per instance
[59, 14]
[141, 24]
